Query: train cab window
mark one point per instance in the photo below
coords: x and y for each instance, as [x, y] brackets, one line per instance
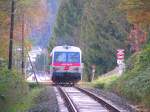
[68, 57]
[60, 57]
[74, 57]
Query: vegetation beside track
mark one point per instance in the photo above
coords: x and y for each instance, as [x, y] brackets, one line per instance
[134, 84]
[104, 82]
[15, 94]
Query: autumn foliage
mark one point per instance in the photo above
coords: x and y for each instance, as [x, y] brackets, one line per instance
[138, 11]
[138, 14]
[136, 38]
[28, 14]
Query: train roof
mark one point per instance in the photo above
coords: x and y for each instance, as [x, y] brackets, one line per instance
[66, 49]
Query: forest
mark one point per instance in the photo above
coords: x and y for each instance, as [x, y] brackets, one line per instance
[98, 27]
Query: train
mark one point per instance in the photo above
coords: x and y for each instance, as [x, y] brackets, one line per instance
[66, 64]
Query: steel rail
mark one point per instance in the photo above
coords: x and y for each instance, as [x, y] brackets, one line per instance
[69, 103]
[101, 100]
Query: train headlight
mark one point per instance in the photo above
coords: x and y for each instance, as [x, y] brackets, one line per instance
[55, 69]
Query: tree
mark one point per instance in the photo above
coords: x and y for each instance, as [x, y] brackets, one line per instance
[34, 15]
[138, 11]
[138, 14]
[136, 38]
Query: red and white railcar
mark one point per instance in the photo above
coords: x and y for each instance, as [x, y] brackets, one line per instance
[66, 64]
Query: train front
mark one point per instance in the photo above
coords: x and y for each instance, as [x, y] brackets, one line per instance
[66, 64]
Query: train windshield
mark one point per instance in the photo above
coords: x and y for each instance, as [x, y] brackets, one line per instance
[67, 57]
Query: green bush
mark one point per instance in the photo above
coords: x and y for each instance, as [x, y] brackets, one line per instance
[12, 90]
[136, 88]
[135, 82]
[15, 95]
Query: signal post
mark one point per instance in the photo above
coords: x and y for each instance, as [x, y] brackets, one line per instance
[120, 61]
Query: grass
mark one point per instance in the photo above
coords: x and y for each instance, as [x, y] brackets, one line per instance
[105, 81]
[28, 101]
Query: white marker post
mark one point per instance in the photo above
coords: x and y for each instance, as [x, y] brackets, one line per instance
[93, 71]
[120, 60]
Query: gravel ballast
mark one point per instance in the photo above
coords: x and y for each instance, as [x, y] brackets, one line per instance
[115, 99]
[46, 101]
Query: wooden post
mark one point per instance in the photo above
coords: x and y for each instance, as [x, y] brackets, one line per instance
[11, 36]
[22, 45]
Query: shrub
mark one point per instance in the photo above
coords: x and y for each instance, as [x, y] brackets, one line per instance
[135, 82]
[12, 90]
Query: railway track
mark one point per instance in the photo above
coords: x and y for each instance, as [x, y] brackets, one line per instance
[80, 100]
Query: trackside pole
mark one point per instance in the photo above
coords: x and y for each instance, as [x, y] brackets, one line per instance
[32, 68]
[11, 35]
[93, 72]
